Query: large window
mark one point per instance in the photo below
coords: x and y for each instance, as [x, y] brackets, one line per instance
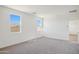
[15, 23]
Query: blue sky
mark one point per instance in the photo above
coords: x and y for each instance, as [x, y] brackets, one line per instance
[15, 19]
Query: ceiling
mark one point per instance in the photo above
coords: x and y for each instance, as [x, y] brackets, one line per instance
[45, 10]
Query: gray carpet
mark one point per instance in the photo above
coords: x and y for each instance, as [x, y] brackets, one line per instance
[44, 45]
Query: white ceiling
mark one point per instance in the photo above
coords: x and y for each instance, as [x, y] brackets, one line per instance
[43, 10]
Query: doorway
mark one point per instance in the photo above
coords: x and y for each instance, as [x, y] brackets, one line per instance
[74, 30]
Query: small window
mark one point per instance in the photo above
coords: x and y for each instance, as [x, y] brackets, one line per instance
[39, 24]
[15, 23]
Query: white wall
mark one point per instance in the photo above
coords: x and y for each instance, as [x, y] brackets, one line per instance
[29, 31]
[56, 26]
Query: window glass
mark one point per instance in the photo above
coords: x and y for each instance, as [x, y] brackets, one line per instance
[15, 23]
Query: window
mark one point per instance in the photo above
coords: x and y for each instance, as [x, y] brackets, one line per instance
[39, 24]
[15, 23]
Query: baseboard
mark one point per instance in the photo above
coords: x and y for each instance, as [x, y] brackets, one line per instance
[14, 44]
[56, 36]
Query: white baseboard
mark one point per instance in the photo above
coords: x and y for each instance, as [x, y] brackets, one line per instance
[56, 36]
[18, 42]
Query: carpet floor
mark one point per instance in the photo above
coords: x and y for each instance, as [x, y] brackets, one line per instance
[43, 45]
